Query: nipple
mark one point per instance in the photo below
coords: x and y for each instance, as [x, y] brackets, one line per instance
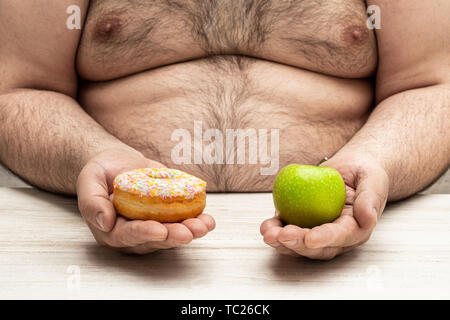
[354, 35]
[107, 27]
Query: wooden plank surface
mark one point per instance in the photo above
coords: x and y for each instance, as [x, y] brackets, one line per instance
[46, 251]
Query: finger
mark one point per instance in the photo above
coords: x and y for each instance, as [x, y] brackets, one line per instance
[370, 198]
[93, 198]
[271, 236]
[349, 195]
[197, 227]
[150, 247]
[291, 232]
[178, 233]
[268, 224]
[326, 253]
[323, 253]
[285, 251]
[343, 232]
[132, 233]
[140, 249]
[292, 237]
[347, 249]
[208, 221]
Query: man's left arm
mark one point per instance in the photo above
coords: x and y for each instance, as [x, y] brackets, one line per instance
[409, 130]
[404, 145]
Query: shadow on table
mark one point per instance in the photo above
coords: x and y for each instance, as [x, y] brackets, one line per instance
[157, 267]
[301, 269]
[163, 266]
[169, 266]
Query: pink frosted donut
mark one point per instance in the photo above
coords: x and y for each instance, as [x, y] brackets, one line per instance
[164, 195]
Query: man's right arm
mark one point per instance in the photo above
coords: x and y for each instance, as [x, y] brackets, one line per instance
[45, 136]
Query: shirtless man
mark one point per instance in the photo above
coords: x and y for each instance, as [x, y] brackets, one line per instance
[79, 106]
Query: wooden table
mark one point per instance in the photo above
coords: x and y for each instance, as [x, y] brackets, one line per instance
[46, 251]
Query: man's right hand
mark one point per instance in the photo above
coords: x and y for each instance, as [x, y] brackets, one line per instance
[94, 189]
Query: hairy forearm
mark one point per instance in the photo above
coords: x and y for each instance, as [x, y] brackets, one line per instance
[46, 138]
[409, 134]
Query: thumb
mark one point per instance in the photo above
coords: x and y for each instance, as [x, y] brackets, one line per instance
[370, 196]
[93, 198]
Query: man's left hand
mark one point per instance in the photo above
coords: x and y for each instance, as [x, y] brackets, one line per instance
[367, 187]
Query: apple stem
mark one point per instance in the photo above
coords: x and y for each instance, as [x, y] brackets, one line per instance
[322, 161]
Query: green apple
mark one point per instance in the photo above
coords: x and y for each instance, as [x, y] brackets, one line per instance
[308, 196]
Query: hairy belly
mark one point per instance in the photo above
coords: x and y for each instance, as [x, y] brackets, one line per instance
[232, 121]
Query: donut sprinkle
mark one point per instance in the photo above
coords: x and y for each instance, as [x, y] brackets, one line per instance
[160, 182]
